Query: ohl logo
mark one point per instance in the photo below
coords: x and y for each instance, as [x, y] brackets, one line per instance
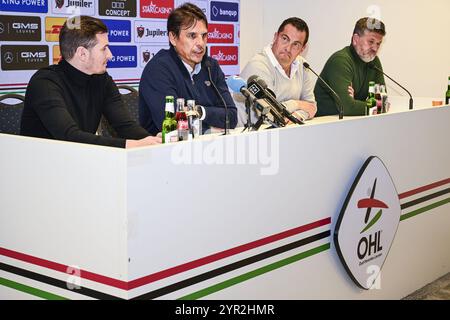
[368, 222]
[370, 245]
[59, 3]
[371, 203]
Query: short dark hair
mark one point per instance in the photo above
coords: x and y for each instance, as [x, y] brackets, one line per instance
[79, 31]
[371, 25]
[184, 17]
[298, 23]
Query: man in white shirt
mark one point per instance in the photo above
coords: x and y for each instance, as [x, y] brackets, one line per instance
[281, 67]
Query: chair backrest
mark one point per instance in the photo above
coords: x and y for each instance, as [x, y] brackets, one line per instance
[10, 114]
[131, 102]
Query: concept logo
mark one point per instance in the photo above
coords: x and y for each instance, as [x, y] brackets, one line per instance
[368, 223]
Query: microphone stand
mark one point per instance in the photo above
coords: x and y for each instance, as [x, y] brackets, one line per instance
[227, 121]
[248, 110]
[335, 96]
[411, 102]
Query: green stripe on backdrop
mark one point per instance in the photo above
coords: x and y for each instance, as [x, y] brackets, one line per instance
[8, 92]
[30, 290]
[255, 273]
[424, 209]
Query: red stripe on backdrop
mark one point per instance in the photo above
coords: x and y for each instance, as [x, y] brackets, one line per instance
[224, 254]
[63, 268]
[423, 189]
[168, 272]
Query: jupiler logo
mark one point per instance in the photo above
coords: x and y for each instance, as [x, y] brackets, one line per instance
[367, 224]
[140, 31]
[59, 3]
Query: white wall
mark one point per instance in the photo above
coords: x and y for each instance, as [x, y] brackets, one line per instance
[416, 50]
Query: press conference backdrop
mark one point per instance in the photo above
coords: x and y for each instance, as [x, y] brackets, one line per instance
[29, 31]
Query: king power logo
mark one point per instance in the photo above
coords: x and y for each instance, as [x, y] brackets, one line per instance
[367, 224]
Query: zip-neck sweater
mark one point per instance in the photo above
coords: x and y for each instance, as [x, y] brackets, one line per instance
[63, 103]
[166, 75]
[345, 68]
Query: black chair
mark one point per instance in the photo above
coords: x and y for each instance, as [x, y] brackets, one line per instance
[131, 102]
[10, 114]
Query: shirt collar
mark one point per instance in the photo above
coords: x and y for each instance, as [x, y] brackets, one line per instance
[273, 60]
[192, 71]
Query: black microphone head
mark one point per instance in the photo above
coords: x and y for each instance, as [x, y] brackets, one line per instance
[271, 92]
[252, 79]
[306, 65]
[262, 83]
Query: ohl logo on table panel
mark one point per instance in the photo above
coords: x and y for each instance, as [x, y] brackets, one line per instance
[367, 224]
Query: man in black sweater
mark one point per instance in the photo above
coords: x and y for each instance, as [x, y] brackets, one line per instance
[66, 101]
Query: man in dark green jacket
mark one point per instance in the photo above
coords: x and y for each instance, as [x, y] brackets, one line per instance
[349, 71]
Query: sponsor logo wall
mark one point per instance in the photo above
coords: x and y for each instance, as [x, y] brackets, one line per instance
[29, 32]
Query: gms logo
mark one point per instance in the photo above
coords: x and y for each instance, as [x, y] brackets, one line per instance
[24, 57]
[118, 30]
[368, 223]
[225, 55]
[39, 6]
[224, 11]
[151, 31]
[123, 57]
[156, 8]
[221, 33]
[73, 7]
[20, 28]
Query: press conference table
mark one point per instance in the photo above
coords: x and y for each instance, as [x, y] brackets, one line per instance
[244, 216]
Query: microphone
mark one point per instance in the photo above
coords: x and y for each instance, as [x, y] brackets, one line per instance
[260, 89]
[227, 121]
[335, 96]
[238, 85]
[411, 102]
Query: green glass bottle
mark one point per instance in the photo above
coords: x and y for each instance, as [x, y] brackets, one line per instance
[447, 95]
[169, 124]
[371, 101]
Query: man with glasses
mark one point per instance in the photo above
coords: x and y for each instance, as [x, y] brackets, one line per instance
[350, 70]
[281, 67]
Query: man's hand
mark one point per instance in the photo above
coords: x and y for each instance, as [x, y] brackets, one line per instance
[351, 91]
[308, 107]
[147, 141]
